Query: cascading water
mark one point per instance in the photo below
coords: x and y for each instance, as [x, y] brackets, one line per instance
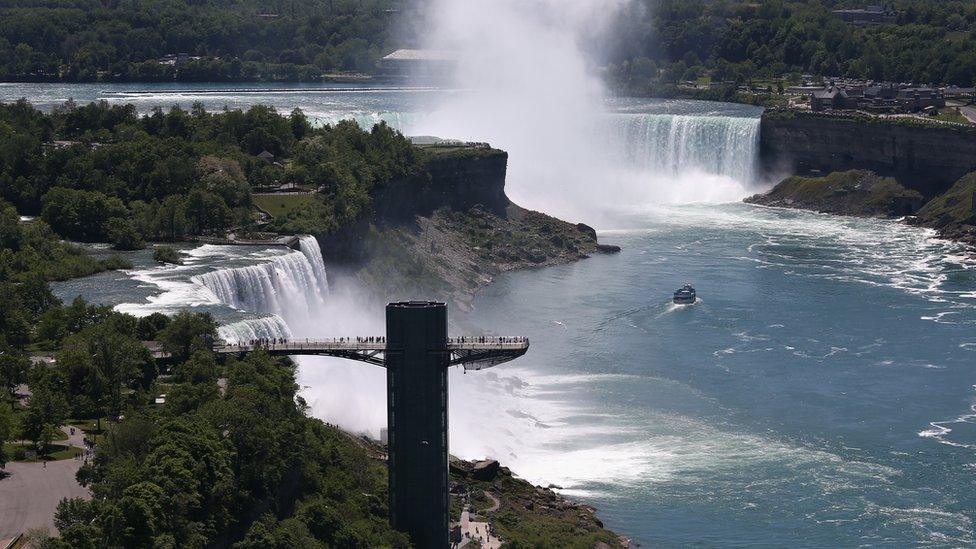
[292, 286]
[268, 327]
[310, 249]
[672, 145]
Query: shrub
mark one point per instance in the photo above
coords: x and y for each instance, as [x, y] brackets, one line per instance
[167, 254]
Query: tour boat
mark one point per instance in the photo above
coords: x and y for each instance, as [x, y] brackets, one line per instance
[685, 295]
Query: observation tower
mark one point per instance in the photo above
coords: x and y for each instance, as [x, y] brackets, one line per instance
[416, 353]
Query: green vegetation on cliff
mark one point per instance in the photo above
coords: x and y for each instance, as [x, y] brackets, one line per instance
[854, 192]
[956, 207]
[863, 193]
[527, 515]
[220, 41]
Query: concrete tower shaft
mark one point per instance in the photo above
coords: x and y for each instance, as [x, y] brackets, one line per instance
[417, 359]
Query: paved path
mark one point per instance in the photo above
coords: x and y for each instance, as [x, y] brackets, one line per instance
[969, 112]
[472, 529]
[495, 502]
[30, 493]
[77, 439]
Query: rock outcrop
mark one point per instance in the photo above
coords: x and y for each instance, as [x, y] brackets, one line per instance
[854, 192]
[953, 213]
[865, 194]
[519, 511]
[445, 233]
[924, 156]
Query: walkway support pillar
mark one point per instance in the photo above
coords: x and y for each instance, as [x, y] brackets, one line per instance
[417, 359]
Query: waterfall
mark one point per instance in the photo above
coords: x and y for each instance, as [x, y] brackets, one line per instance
[310, 248]
[672, 145]
[268, 327]
[293, 285]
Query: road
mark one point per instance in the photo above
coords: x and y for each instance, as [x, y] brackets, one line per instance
[969, 112]
[30, 492]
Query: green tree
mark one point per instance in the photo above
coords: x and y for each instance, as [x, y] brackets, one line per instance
[98, 364]
[206, 211]
[46, 410]
[8, 430]
[14, 365]
[81, 214]
[188, 332]
[123, 235]
[171, 222]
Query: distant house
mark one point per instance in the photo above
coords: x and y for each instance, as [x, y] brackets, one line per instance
[831, 97]
[917, 99]
[877, 98]
[869, 15]
[267, 157]
[955, 92]
[175, 59]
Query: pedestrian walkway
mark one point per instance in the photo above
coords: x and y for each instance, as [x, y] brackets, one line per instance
[30, 492]
[472, 529]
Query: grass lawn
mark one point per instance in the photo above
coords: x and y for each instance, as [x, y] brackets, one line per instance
[86, 425]
[18, 419]
[280, 205]
[952, 115]
[56, 452]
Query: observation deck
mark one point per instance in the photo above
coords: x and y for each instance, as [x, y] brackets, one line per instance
[473, 353]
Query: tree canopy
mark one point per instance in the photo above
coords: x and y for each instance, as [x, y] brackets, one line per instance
[183, 40]
[100, 172]
[929, 42]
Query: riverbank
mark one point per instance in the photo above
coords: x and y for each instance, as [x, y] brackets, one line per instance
[863, 193]
[486, 493]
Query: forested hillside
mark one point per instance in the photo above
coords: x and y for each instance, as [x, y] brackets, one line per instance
[929, 42]
[300, 40]
[223, 40]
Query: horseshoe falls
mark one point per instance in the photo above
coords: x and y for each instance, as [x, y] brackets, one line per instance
[671, 145]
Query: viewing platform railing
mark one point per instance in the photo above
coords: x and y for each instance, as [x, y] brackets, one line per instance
[474, 353]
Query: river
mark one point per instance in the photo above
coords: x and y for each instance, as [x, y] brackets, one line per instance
[819, 394]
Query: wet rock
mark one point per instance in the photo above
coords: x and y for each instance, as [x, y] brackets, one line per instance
[485, 470]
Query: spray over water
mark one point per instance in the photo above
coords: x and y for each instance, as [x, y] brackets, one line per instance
[529, 84]
[527, 88]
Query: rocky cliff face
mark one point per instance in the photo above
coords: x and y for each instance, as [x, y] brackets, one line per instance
[927, 157]
[455, 177]
[459, 178]
[448, 231]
